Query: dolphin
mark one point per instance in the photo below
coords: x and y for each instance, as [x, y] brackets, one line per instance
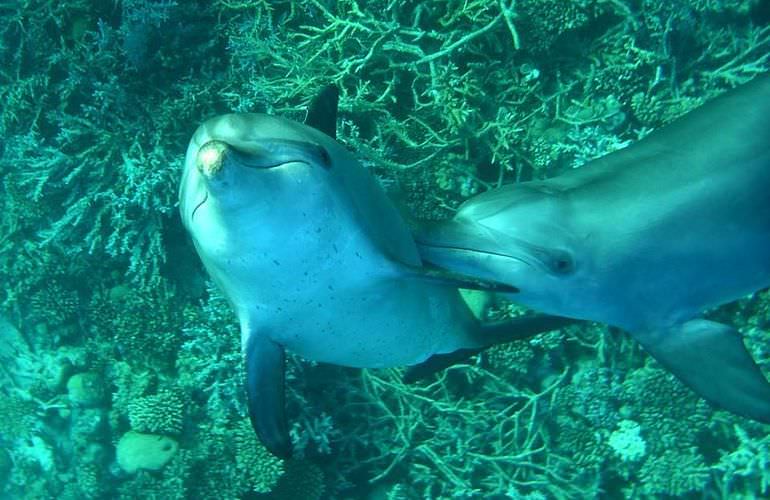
[314, 258]
[644, 239]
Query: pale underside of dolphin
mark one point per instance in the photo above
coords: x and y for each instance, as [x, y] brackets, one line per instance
[645, 239]
[314, 258]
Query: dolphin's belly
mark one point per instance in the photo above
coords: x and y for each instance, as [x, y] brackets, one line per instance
[385, 323]
[351, 310]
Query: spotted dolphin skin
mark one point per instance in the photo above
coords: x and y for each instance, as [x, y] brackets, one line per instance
[645, 239]
[314, 258]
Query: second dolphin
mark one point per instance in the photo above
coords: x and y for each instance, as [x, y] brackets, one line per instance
[645, 239]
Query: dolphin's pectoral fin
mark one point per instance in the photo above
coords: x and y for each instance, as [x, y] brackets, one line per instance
[457, 280]
[489, 334]
[322, 112]
[265, 391]
[711, 358]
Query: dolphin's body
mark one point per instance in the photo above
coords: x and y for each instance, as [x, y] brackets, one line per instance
[313, 257]
[645, 239]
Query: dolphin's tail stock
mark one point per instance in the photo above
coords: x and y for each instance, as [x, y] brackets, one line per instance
[490, 334]
[712, 360]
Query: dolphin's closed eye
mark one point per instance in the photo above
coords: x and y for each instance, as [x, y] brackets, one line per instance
[270, 153]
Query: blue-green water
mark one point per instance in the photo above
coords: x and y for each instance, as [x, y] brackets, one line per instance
[121, 364]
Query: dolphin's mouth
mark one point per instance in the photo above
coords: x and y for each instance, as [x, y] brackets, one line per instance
[192, 215]
[550, 261]
[472, 251]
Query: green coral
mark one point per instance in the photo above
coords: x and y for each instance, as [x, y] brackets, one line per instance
[260, 471]
[301, 479]
[514, 356]
[19, 416]
[90, 482]
[583, 443]
[161, 413]
[542, 22]
[55, 303]
[669, 413]
[145, 325]
[674, 472]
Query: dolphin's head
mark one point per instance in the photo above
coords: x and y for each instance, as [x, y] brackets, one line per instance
[243, 170]
[518, 236]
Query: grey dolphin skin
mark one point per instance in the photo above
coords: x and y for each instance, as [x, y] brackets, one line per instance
[314, 258]
[645, 239]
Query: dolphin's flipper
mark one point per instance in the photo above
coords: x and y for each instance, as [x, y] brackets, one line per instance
[490, 333]
[711, 358]
[322, 112]
[265, 391]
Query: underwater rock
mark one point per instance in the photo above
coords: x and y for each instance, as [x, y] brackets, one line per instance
[145, 451]
[85, 389]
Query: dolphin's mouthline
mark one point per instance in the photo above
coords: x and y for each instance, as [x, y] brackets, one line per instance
[192, 215]
[473, 250]
[275, 165]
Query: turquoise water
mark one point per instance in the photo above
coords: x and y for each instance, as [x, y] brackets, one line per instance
[121, 363]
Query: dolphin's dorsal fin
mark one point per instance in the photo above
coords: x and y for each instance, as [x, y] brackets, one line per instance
[711, 358]
[322, 112]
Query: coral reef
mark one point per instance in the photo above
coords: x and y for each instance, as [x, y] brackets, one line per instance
[258, 468]
[161, 413]
[118, 334]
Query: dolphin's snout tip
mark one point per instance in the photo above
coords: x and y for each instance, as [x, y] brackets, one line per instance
[211, 158]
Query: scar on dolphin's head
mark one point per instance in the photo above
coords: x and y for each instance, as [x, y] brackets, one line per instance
[211, 158]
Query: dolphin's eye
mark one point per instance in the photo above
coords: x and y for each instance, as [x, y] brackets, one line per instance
[562, 263]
